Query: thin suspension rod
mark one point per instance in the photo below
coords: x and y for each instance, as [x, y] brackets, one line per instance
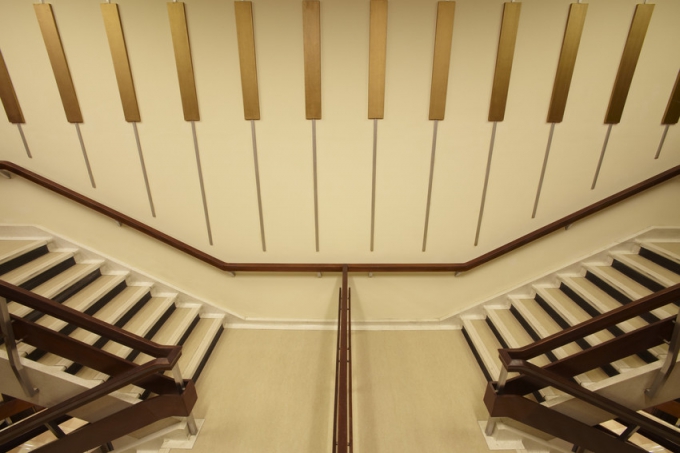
[429, 185]
[486, 183]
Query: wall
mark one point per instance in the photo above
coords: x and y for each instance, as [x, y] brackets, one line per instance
[284, 297]
[344, 140]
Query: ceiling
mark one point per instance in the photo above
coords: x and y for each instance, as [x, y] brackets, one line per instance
[344, 134]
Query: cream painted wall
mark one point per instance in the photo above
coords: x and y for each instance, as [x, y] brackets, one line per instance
[344, 143]
[281, 297]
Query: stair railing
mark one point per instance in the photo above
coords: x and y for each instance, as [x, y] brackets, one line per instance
[176, 396]
[565, 222]
[505, 398]
[343, 441]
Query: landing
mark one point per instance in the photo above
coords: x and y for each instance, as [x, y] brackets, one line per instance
[271, 391]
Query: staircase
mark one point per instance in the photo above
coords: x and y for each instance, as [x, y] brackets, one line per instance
[83, 281]
[607, 281]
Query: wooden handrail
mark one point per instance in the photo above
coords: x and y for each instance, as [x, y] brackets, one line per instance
[558, 374]
[125, 373]
[88, 396]
[49, 307]
[609, 351]
[329, 267]
[596, 324]
[125, 421]
[551, 379]
[342, 417]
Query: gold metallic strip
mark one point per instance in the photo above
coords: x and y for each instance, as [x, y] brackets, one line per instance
[506, 52]
[629, 59]
[442, 57]
[376, 59]
[9, 96]
[673, 109]
[55, 51]
[121, 63]
[185, 69]
[565, 67]
[311, 29]
[246, 53]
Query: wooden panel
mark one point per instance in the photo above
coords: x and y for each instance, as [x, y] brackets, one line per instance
[246, 53]
[506, 52]
[629, 59]
[121, 63]
[185, 68]
[377, 59]
[673, 109]
[442, 57]
[311, 29]
[55, 51]
[8, 95]
[565, 67]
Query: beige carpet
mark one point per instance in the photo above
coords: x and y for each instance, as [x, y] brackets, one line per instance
[271, 391]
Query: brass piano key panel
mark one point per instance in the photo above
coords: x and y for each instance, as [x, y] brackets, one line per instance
[9, 96]
[55, 51]
[121, 63]
[185, 68]
[441, 61]
[377, 59]
[629, 59]
[506, 53]
[567, 62]
[246, 52]
[311, 32]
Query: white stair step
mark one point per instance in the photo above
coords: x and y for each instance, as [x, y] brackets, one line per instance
[85, 298]
[57, 284]
[603, 302]
[170, 334]
[197, 345]
[24, 273]
[513, 333]
[80, 301]
[14, 248]
[545, 326]
[174, 329]
[515, 336]
[486, 344]
[110, 313]
[573, 315]
[140, 324]
[629, 287]
[649, 269]
[667, 249]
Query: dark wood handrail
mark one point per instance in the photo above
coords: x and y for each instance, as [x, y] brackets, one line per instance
[49, 307]
[328, 267]
[551, 379]
[596, 324]
[342, 417]
[81, 399]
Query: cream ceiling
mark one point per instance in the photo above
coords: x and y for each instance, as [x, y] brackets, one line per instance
[344, 135]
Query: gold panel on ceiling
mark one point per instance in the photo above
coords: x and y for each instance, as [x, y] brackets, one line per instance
[311, 30]
[9, 96]
[506, 53]
[442, 57]
[673, 108]
[629, 59]
[565, 67]
[55, 51]
[377, 59]
[185, 68]
[121, 63]
[246, 53]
